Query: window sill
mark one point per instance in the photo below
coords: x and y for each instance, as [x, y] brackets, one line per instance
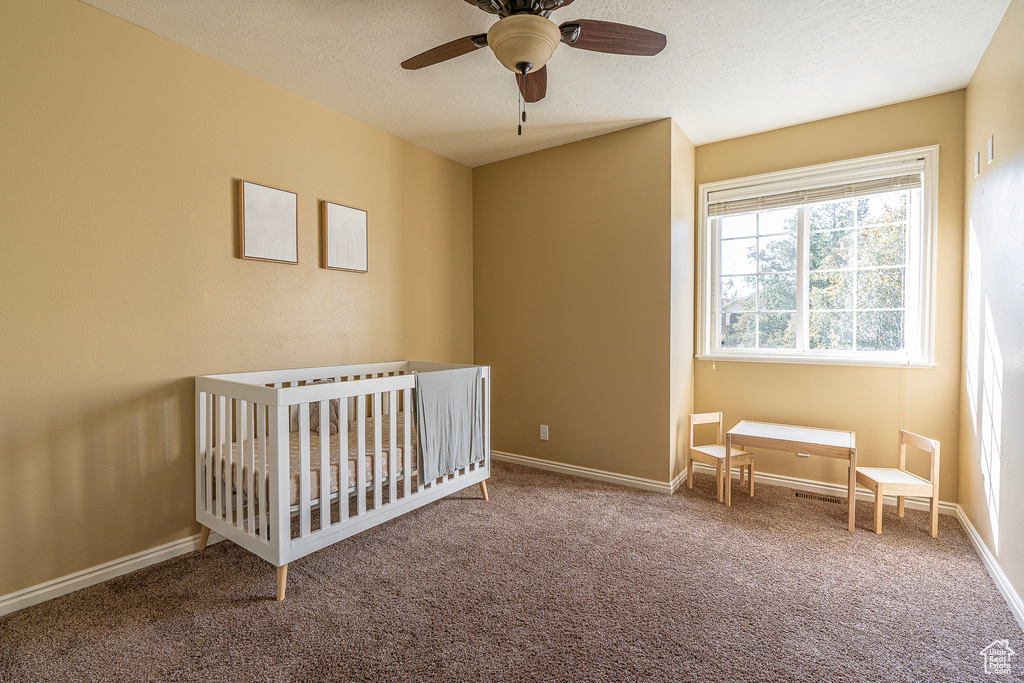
[817, 360]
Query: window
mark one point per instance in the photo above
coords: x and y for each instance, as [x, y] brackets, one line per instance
[829, 264]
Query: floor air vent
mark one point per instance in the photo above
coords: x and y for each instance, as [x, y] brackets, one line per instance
[818, 497]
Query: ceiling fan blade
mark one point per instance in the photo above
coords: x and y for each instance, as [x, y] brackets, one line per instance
[616, 39]
[443, 53]
[533, 85]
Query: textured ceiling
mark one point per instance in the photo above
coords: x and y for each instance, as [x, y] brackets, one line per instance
[731, 68]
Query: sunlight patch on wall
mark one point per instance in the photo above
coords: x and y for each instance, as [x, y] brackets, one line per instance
[991, 422]
[973, 321]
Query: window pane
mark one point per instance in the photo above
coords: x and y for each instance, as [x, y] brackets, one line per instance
[831, 249]
[780, 220]
[738, 257]
[880, 288]
[778, 293]
[777, 254]
[738, 330]
[882, 245]
[831, 331]
[880, 330]
[834, 280]
[831, 290]
[777, 331]
[738, 294]
[831, 216]
[882, 208]
[744, 225]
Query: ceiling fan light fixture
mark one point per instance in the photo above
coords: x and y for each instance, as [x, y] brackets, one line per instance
[523, 38]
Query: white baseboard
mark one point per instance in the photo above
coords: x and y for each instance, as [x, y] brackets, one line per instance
[589, 473]
[994, 570]
[34, 595]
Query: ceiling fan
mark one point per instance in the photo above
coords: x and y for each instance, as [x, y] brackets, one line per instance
[524, 38]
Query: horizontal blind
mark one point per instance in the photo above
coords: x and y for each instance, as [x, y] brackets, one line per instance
[829, 193]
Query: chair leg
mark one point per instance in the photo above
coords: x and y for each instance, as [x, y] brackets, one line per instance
[282, 581]
[750, 480]
[204, 536]
[743, 475]
[689, 473]
[878, 509]
[721, 481]
[933, 525]
[483, 488]
[900, 508]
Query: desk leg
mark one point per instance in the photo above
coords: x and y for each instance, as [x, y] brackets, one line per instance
[728, 470]
[853, 489]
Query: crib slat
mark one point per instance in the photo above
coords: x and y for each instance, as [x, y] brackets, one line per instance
[378, 445]
[200, 444]
[225, 471]
[325, 464]
[392, 446]
[304, 524]
[360, 455]
[406, 441]
[250, 467]
[223, 442]
[279, 480]
[236, 483]
[211, 439]
[343, 461]
[261, 474]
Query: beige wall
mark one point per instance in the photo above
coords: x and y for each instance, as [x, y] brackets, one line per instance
[120, 280]
[991, 429]
[872, 401]
[572, 261]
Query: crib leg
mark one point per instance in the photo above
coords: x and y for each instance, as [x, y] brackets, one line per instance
[483, 487]
[204, 536]
[282, 580]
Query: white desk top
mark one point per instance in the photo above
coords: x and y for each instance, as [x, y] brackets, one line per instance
[808, 435]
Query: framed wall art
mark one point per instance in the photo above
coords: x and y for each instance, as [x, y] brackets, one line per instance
[343, 237]
[268, 223]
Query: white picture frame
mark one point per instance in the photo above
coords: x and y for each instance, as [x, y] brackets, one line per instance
[343, 237]
[268, 223]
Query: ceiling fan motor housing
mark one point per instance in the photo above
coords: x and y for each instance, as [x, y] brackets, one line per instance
[523, 38]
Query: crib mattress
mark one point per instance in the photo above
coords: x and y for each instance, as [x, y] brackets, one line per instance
[294, 468]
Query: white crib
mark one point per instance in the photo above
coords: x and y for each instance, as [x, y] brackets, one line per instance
[259, 422]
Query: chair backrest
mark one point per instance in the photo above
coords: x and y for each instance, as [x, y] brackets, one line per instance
[703, 419]
[930, 446]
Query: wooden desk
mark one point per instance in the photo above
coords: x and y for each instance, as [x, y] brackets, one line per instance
[828, 443]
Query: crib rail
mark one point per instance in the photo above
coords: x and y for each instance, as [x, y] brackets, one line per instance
[267, 482]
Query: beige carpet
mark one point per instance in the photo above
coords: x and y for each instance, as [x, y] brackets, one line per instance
[555, 579]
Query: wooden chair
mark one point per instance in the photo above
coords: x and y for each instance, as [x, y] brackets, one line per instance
[715, 455]
[899, 482]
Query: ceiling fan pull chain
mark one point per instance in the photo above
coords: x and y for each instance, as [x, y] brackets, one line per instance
[522, 108]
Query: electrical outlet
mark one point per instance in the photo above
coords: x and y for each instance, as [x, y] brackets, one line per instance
[543, 432]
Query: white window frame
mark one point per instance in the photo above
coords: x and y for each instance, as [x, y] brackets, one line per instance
[920, 302]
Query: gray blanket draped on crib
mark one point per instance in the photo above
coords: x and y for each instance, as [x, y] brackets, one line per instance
[449, 420]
